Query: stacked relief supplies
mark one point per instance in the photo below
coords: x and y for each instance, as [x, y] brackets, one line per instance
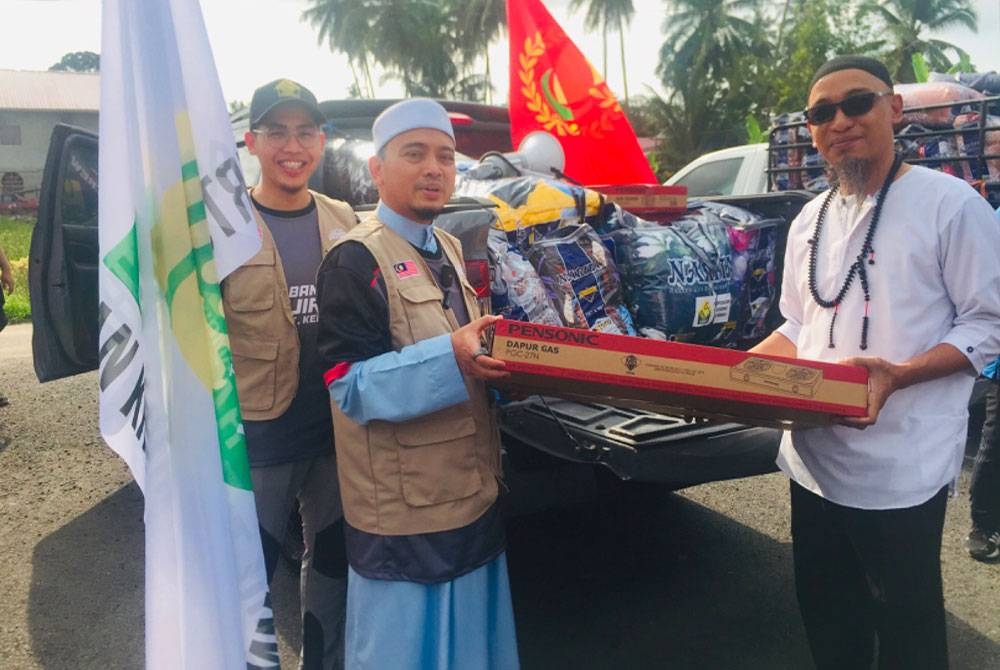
[794, 162]
[948, 124]
[944, 120]
[563, 256]
[707, 277]
[544, 246]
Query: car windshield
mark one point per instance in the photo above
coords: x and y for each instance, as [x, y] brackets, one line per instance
[715, 178]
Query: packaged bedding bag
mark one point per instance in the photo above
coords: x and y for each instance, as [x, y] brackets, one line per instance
[517, 291]
[707, 278]
[581, 279]
[753, 240]
[678, 280]
[529, 207]
[950, 98]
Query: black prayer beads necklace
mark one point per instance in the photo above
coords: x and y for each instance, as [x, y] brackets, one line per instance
[858, 266]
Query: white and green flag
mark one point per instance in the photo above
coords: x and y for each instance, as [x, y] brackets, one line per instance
[174, 219]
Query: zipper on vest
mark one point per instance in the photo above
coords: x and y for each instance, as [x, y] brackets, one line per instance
[500, 480]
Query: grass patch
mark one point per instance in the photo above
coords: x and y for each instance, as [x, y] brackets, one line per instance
[15, 240]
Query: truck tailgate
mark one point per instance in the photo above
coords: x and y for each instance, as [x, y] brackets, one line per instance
[639, 445]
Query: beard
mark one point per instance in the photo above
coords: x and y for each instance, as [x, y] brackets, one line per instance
[852, 174]
[427, 213]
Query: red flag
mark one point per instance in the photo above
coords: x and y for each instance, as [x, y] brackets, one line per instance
[554, 88]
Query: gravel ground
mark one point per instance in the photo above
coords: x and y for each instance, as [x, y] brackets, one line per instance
[711, 571]
[59, 485]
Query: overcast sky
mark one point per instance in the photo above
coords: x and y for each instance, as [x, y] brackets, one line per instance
[255, 41]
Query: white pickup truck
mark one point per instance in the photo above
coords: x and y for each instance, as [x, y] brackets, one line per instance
[738, 170]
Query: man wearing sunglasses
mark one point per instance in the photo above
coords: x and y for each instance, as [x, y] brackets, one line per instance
[418, 448]
[896, 269]
[272, 319]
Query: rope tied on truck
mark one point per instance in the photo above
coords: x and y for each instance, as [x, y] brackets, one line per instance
[858, 266]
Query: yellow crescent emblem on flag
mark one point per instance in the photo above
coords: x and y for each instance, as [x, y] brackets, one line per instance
[185, 269]
[550, 111]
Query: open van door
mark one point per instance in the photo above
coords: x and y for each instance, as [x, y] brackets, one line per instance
[62, 272]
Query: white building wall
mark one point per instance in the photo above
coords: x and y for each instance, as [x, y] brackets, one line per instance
[28, 158]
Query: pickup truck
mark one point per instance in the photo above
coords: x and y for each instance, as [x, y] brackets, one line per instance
[598, 443]
[740, 170]
[587, 446]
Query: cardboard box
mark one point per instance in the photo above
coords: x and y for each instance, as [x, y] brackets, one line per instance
[680, 379]
[647, 201]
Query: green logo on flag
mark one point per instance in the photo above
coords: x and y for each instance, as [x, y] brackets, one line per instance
[184, 266]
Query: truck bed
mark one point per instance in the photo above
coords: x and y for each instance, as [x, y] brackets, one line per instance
[644, 446]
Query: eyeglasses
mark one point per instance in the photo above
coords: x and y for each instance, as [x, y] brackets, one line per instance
[853, 105]
[278, 138]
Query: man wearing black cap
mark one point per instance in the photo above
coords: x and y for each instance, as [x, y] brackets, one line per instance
[896, 269]
[272, 318]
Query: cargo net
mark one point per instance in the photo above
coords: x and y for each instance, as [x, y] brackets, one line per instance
[562, 255]
[948, 125]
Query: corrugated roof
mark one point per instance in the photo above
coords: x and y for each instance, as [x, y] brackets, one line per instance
[50, 91]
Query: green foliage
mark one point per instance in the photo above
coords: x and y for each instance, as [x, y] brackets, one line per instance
[722, 61]
[754, 133]
[712, 59]
[15, 240]
[729, 60]
[15, 236]
[653, 116]
[921, 72]
[17, 307]
[964, 64]
[79, 61]
[432, 46]
[647, 114]
[904, 23]
[813, 32]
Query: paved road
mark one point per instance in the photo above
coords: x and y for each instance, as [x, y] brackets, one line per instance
[699, 579]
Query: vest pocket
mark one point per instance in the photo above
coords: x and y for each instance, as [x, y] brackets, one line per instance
[437, 457]
[253, 288]
[254, 362]
[422, 306]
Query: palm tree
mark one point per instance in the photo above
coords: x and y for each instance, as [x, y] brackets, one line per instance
[344, 25]
[906, 20]
[702, 37]
[412, 40]
[603, 15]
[710, 56]
[479, 23]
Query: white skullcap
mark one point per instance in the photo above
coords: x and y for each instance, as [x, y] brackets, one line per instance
[410, 115]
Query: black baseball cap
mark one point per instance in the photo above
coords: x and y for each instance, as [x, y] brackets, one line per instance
[280, 92]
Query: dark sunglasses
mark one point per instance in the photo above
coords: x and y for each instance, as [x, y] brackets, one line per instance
[852, 105]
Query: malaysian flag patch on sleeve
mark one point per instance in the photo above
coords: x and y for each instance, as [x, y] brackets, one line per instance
[405, 269]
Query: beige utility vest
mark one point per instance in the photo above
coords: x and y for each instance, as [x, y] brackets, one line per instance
[436, 472]
[262, 333]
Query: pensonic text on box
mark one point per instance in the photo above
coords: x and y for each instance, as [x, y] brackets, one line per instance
[678, 378]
